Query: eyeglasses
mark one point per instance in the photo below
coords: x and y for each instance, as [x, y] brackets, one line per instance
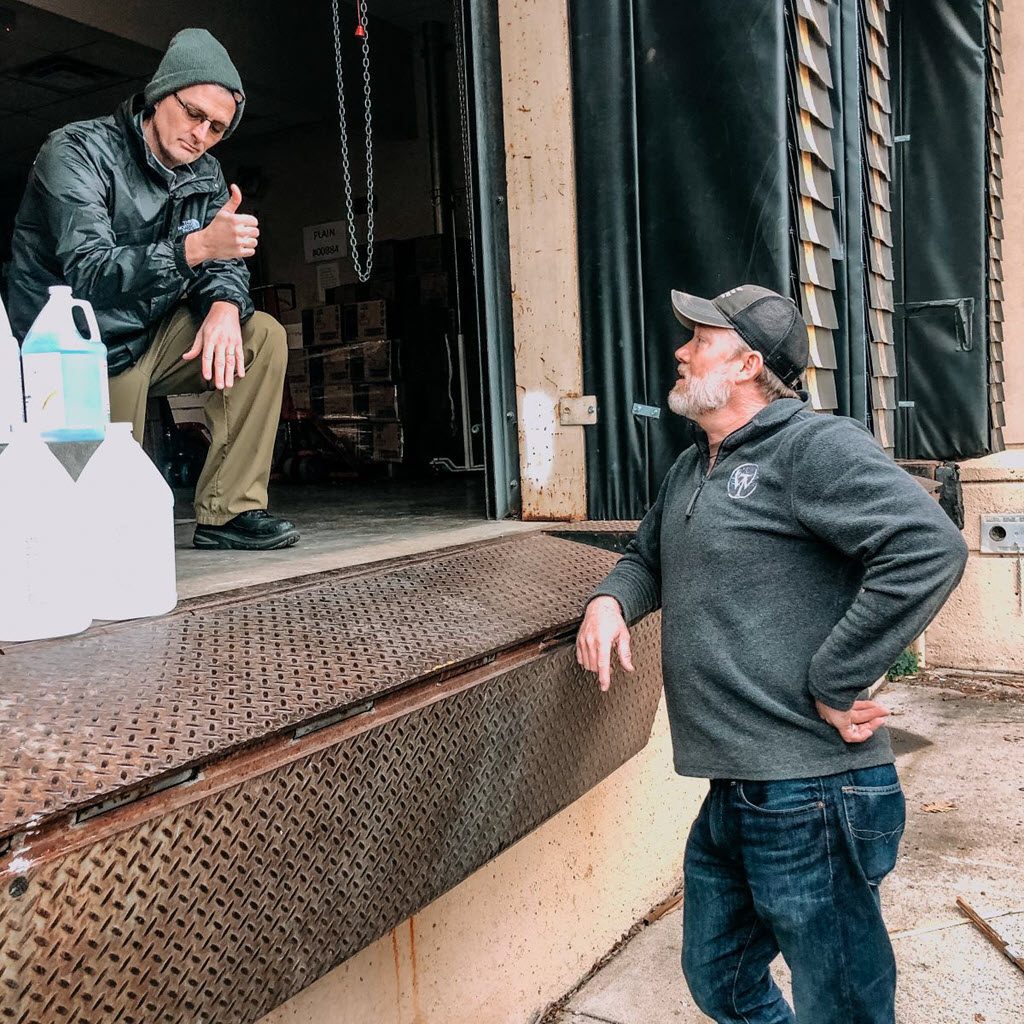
[198, 117]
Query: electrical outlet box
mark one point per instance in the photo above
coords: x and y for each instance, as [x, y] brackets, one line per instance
[1002, 534]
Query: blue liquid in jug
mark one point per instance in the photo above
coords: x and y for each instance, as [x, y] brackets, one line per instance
[65, 375]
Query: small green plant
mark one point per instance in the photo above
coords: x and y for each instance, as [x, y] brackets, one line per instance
[905, 665]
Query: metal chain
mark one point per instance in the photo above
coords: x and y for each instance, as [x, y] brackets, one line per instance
[467, 158]
[363, 273]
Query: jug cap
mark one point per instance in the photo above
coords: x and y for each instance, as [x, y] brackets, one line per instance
[60, 289]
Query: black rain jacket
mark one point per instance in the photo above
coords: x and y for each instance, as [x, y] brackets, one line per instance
[102, 215]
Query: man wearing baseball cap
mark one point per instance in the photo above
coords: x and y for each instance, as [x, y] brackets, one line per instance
[793, 561]
[135, 215]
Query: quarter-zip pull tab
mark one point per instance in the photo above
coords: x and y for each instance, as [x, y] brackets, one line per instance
[696, 494]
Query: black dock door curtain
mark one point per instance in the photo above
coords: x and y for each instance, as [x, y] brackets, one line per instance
[728, 142]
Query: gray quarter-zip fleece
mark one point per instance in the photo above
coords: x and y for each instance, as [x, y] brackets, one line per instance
[798, 568]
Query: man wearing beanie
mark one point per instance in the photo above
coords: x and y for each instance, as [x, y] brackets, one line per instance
[135, 215]
[793, 561]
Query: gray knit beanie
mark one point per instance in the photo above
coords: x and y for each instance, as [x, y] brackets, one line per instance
[194, 57]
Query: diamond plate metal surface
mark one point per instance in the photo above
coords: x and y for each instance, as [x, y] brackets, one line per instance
[223, 906]
[86, 718]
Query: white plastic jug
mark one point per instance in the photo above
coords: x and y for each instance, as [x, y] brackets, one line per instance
[67, 394]
[130, 512]
[41, 582]
[12, 402]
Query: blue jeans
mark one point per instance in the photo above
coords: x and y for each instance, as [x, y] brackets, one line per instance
[793, 866]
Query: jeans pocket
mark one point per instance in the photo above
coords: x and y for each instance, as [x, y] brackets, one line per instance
[875, 818]
[781, 797]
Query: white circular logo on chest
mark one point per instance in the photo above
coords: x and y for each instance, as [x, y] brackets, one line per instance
[743, 481]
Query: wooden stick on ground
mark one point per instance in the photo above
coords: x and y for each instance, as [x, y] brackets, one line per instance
[1012, 953]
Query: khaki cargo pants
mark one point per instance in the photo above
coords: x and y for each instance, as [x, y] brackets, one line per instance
[242, 419]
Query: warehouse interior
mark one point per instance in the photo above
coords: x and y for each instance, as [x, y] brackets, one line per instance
[381, 429]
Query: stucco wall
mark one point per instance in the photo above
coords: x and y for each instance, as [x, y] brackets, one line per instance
[982, 625]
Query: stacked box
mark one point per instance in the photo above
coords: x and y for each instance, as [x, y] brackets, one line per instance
[367, 321]
[297, 379]
[355, 435]
[371, 442]
[294, 333]
[433, 288]
[356, 291]
[354, 360]
[333, 323]
[388, 442]
[323, 325]
[428, 254]
[371, 401]
[362, 362]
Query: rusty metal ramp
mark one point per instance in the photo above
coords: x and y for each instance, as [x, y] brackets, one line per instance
[206, 812]
[89, 720]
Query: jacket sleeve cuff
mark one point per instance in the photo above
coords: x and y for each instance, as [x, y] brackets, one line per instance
[204, 303]
[632, 605]
[831, 700]
[187, 273]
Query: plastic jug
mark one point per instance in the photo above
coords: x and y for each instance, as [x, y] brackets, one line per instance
[67, 396]
[130, 514]
[41, 585]
[12, 401]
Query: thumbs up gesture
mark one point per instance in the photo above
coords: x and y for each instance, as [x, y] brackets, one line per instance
[228, 236]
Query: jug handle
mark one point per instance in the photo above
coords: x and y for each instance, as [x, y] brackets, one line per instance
[90, 318]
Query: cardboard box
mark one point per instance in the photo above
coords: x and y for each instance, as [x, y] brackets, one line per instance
[356, 291]
[294, 333]
[361, 362]
[387, 254]
[335, 400]
[334, 367]
[367, 321]
[298, 366]
[372, 401]
[355, 435]
[322, 325]
[434, 289]
[297, 379]
[428, 254]
[381, 400]
[388, 442]
[369, 442]
[379, 360]
[302, 399]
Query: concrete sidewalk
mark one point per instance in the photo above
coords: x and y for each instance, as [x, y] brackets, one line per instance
[960, 750]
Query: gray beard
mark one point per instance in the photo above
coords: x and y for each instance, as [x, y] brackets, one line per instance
[698, 396]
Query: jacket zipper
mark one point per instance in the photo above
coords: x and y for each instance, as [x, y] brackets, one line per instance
[696, 493]
[704, 479]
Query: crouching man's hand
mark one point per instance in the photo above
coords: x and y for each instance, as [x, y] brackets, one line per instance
[603, 629]
[219, 342]
[859, 723]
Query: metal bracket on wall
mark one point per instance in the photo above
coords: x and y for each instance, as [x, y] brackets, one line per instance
[650, 411]
[577, 411]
